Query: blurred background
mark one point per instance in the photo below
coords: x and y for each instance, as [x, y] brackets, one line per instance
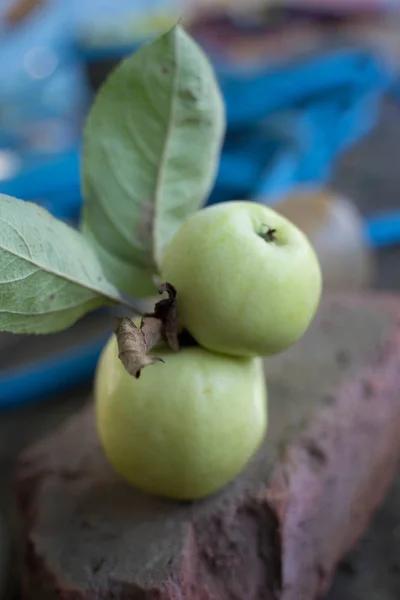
[312, 89]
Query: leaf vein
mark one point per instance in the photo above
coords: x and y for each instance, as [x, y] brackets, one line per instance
[164, 155]
[19, 234]
[68, 278]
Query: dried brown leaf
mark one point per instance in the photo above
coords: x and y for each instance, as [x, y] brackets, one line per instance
[132, 347]
[162, 324]
[153, 331]
[135, 343]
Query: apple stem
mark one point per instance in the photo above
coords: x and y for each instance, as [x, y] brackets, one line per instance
[269, 235]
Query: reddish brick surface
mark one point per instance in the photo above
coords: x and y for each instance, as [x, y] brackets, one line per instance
[277, 532]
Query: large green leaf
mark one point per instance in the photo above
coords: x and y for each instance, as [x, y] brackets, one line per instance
[125, 275]
[49, 274]
[151, 150]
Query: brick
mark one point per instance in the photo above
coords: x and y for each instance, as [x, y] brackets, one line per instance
[278, 531]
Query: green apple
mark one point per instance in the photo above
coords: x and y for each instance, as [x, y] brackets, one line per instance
[185, 428]
[247, 279]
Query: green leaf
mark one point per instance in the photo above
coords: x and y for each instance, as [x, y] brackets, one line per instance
[49, 274]
[151, 150]
[125, 275]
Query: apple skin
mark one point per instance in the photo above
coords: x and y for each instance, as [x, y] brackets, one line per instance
[185, 428]
[238, 293]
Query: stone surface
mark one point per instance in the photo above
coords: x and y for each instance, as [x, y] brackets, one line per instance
[278, 531]
[372, 570]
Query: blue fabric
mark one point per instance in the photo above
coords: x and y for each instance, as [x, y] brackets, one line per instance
[383, 230]
[40, 379]
[292, 123]
[52, 180]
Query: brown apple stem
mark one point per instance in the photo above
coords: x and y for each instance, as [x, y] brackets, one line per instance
[269, 235]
